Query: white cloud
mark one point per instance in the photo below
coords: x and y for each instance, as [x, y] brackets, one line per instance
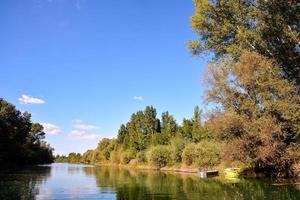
[26, 99]
[82, 135]
[51, 129]
[138, 98]
[79, 125]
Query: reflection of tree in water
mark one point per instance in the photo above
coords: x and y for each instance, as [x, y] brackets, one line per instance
[21, 183]
[147, 185]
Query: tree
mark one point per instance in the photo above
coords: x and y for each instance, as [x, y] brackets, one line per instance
[186, 129]
[197, 129]
[149, 121]
[105, 147]
[88, 156]
[135, 128]
[122, 134]
[270, 28]
[168, 128]
[21, 141]
[258, 113]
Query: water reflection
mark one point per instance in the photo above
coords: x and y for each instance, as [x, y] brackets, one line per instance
[22, 183]
[130, 184]
[66, 181]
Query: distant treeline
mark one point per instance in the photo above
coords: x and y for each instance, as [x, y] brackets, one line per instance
[21, 141]
[155, 141]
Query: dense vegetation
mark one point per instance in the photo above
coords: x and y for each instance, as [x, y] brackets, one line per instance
[253, 96]
[21, 141]
[158, 142]
[270, 28]
[255, 120]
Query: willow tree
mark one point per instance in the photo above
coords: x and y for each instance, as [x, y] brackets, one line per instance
[257, 115]
[270, 28]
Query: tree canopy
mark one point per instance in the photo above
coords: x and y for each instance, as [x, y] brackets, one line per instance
[258, 113]
[21, 141]
[270, 28]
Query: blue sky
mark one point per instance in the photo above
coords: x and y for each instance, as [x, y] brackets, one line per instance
[82, 67]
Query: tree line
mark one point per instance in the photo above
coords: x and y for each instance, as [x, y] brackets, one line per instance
[254, 123]
[148, 139]
[21, 140]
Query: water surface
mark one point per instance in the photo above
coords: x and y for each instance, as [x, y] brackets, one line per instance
[72, 181]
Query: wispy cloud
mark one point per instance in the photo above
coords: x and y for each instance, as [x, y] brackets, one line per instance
[77, 120]
[51, 129]
[82, 135]
[26, 99]
[79, 125]
[138, 98]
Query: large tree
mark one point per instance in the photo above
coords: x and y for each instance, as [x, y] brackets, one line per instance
[258, 113]
[21, 141]
[270, 28]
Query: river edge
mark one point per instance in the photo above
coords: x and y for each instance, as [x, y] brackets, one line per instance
[174, 169]
[248, 174]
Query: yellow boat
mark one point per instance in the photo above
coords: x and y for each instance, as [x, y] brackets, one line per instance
[232, 172]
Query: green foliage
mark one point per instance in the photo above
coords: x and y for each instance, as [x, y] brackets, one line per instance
[115, 157]
[122, 134]
[98, 157]
[204, 154]
[186, 129]
[126, 156]
[74, 158]
[260, 113]
[88, 157]
[198, 132]
[177, 146]
[160, 155]
[141, 157]
[168, 128]
[106, 146]
[21, 141]
[270, 28]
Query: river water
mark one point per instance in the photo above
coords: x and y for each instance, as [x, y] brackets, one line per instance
[73, 181]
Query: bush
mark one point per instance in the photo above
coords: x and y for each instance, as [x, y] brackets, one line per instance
[115, 157]
[178, 145]
[160, 155]
[141, 157]
[126, 157]
[203, 154]
[98, 157]
[190, 154]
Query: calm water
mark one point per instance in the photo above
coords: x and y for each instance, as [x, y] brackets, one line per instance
[69, 181]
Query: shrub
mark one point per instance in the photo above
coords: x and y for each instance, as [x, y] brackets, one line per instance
[98, 157]
[177, 145]
[115, 157]
[126, 157]
[141, 157]
[160, 155]
[203, 154]
[190, 154]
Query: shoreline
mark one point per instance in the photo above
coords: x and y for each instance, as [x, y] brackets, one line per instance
[185, 170]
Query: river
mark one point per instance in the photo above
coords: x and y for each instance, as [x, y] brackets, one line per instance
[74, 181]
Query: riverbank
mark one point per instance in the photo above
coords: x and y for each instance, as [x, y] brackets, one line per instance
[134, 165]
